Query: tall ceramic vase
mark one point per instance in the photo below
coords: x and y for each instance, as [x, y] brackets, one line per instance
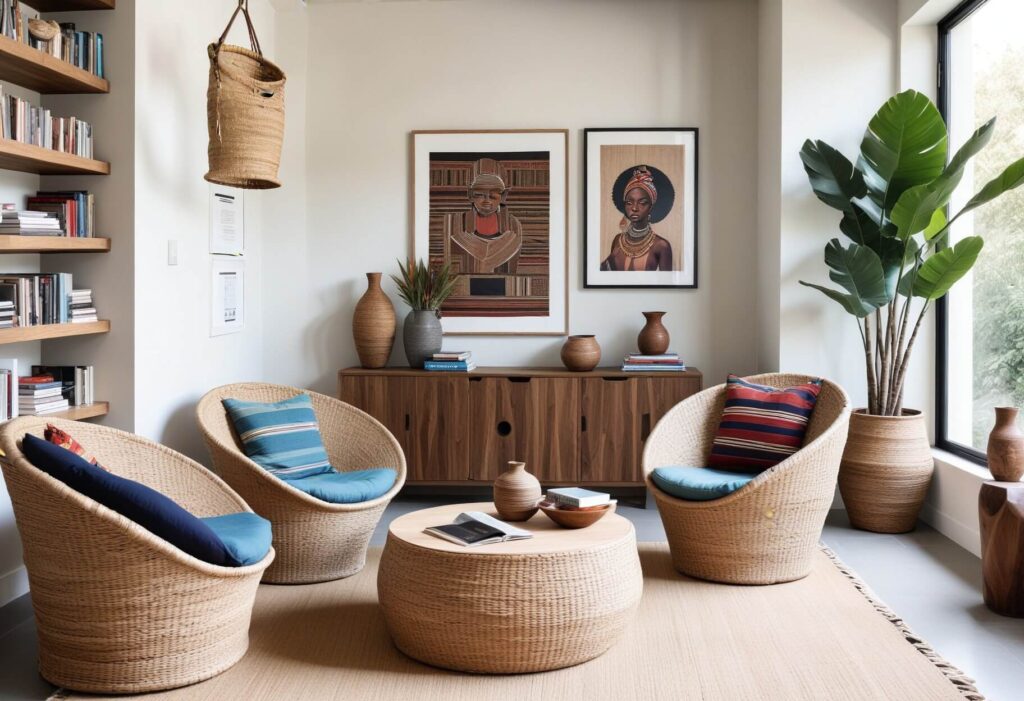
[422, 336]
[885, 472]
[653, 338]
[516, 493]
[373, 325]
[1006, 447]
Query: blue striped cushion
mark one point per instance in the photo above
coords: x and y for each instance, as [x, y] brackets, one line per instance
[283, 437]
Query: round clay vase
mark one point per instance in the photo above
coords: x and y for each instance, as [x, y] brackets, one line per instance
[1006, 447]
[373, 325]
[885, 471]
[653, 338]
[516, 493]
[422, 336]
[581, 353]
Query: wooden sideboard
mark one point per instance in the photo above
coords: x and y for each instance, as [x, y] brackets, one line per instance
[568, 427]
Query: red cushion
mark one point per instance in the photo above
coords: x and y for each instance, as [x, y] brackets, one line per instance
[64, 440]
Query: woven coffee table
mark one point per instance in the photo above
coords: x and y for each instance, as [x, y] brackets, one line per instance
[558, 599]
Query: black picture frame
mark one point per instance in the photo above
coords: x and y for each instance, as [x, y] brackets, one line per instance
[590, 284]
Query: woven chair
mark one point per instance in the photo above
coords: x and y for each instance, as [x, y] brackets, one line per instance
[119, 610]
[768, 530]
[315, 540]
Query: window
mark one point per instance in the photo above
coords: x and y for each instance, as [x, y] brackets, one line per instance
[980, 360]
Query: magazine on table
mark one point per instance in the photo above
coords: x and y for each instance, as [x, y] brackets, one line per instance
[477, 528]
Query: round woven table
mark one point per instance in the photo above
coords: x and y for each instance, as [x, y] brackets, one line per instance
[555, 600]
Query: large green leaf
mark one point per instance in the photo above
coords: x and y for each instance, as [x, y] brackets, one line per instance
[1011, 178]
[891, 253]
[941, 270]
[858, 270]
[833, 178]
[849, 302]
[860, 226]
[905, 145]
[972, 147]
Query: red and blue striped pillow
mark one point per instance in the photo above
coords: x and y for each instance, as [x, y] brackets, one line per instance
[761, 426]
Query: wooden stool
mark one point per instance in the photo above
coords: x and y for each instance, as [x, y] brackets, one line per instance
[1001, 513]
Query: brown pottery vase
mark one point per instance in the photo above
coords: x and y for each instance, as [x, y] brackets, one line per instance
[373, 325]
[1006, 447]
[653, 338]
[581, 353]
[885, 472]
[516, 493]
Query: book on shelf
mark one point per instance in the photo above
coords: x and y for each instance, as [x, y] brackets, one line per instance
[577, 497]
[75, 381]
[40, 394]
[9, 388]
[81, 49]
[449, 366]
[30, 124]
[452, 356]
[74, 210]
[472, 528]
[29, 223]
[45, 298]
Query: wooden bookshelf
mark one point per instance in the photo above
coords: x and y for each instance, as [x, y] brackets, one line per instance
[21, 334]
[69, 5]
[85, 411]
[27, 158]
[52, 244]
[31, 68]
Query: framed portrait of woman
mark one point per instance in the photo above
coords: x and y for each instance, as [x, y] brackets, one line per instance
[640, 194]
[492, 205]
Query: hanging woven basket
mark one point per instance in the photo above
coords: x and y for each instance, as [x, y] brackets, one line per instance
[245, 112]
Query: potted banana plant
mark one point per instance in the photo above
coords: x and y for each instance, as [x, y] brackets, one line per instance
[897, 260]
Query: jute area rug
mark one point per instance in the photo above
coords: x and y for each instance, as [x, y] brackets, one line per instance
[823, 637]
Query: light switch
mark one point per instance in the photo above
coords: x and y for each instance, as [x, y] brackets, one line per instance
[172, 252]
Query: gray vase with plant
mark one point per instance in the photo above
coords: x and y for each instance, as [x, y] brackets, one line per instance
[424, 289]
[899, 260]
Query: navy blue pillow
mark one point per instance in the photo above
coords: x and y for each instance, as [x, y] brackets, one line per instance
[147, 507]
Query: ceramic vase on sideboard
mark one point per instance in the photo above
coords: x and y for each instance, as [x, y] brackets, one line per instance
[1006, 447]
[516, 493]
[885, 471]
[422, 336]
[373, 325]
[653, 338]
[581, 353]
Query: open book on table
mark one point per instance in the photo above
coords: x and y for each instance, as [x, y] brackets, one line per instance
[477, 528]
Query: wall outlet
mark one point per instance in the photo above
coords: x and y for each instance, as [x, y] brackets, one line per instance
[172, 252]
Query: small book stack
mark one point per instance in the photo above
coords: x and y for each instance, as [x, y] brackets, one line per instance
[28, 223]
[451, 361]
[663, 362]
[7, 320]
[74, 209]
[82, 310]
[76, 381]
[575, 499]
[40, 394]
[8, 388]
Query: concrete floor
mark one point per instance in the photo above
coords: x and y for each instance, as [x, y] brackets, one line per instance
[930, 581]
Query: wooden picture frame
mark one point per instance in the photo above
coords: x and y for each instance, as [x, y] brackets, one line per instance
[654, 245]
[494, 204]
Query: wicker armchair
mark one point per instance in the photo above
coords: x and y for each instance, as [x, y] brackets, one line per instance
[315, 540]
[768, 530]
[119, 610]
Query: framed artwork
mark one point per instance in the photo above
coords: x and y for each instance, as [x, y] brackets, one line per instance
[640, 193]
[493, 204]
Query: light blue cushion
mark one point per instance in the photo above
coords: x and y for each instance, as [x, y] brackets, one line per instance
[347, 487]
[245, 535]
[698, 483]
[281, 437]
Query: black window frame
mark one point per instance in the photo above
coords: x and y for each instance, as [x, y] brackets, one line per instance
[946, 25]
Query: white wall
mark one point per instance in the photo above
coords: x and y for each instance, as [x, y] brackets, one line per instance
[380, 70]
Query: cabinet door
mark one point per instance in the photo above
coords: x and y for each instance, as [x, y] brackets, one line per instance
[610, 437]
[657, 395]
[438, 409]
[532, 419]
[383, 398]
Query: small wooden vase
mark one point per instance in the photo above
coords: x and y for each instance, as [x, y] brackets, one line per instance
[516, 493]
[581, 353]
[1006, 447]
[653, 338]
[373, 325]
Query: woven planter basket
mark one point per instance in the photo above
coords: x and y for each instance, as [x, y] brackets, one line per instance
[245, 113]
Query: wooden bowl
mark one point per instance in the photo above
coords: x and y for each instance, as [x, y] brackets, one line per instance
[577, 519]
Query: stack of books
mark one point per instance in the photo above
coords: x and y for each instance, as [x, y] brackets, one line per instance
[73, 209]
[76, 381]
[82, 310]
[451, 361]
[40, 394]
[6, 314]
[28, 223]
[38, 298]
[664, 362]
[575, 499]
[8, 388]
[30, 124]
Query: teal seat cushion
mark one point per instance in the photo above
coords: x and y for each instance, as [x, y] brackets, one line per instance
[347, 487]
[698, 483]
[245, 535]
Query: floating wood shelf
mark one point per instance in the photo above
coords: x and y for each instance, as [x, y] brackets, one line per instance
[27, 158]
[52, 244]
[85, 411]
[70, 5]
[21, 334]
[31, 68]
